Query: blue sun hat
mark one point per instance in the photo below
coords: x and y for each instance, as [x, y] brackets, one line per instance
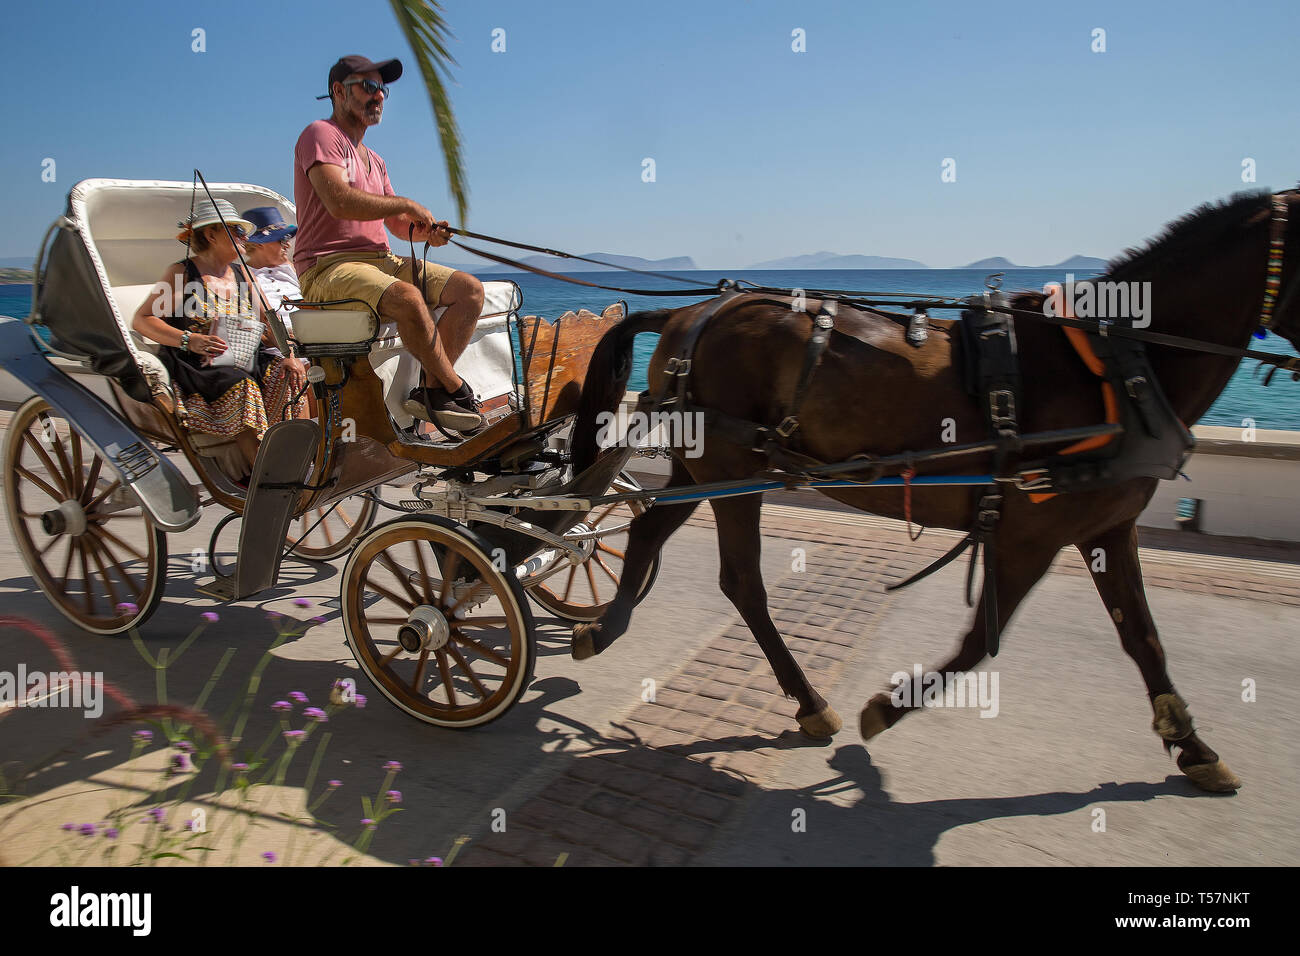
[268, 225]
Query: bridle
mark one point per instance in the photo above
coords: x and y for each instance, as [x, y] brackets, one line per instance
[1276, 253]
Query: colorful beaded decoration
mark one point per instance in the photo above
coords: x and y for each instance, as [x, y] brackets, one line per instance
[1277, 241]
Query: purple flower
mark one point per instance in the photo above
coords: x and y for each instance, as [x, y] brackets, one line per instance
[181, 763]
[434, 861]
[360, 701]
[127, 609]
[184, 746]
[318, 620]
[316, 714]
[413, 862]
[302, 602]
[393, 766]
[282, 707]
[239, 767]
[299, 696]
[87, 829]
[142, 736]
[335, 784]
[69, 826]
[368, 823]
[156, 814]
[268, 856]
[211, 617]
[111, 833]
[394, 796]
[273, 615]
[190, 824]
[293, 736]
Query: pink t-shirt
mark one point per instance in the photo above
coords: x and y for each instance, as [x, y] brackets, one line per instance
[319, 233]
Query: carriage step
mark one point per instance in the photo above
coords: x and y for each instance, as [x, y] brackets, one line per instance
[220, 588]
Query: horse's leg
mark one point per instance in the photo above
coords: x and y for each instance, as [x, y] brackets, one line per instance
[1119, 582]
[646, 537]
[741, 580]
[1020, 566]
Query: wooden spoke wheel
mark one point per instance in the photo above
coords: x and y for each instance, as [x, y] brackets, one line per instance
[582, 592]
[81, 532]
[442, 633]
[332, 535]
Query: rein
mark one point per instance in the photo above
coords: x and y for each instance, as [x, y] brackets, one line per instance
[871, 301]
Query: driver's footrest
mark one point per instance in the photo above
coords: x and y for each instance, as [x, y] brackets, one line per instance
[220, 588]
[426, 433]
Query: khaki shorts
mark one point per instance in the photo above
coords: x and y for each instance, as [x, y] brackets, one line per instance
[367, 275]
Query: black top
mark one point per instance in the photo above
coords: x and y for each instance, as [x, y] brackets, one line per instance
[189, 375]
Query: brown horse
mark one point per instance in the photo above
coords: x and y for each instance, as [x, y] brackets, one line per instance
[873, 392]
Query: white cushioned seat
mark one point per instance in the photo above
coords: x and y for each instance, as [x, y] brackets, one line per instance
[333, 326]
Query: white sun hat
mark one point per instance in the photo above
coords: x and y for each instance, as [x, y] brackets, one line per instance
[206, 213]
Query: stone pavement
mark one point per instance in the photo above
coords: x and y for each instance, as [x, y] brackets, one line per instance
[671, 786]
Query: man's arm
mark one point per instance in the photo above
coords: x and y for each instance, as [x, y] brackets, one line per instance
[343, 201]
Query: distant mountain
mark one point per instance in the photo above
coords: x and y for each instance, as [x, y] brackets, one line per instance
[1090, 263]
[1081, 262]
[833, 260]
[997, 262]
[559, 264]
[17, 262]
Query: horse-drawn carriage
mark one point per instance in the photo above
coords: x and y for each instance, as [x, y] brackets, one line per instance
[434, 602]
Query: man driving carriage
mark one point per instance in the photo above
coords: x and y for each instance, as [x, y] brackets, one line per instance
[345, 201]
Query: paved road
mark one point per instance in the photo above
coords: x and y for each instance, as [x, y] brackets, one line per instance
[584, 771]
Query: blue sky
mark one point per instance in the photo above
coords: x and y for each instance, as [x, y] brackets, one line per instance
[760, 152]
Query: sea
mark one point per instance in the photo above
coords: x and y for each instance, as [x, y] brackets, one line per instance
[1244, 399]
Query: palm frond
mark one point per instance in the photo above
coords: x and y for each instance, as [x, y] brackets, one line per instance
[425, 30]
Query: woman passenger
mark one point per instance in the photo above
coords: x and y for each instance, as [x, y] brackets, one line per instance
[221, 400]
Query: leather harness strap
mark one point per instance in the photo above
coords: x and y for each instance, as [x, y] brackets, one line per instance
[760, 438]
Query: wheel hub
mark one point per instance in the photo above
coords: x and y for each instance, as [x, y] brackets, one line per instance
[67, 518]
[425, 629]
[588, 545]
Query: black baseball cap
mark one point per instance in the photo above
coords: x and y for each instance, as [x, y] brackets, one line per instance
[389, 70]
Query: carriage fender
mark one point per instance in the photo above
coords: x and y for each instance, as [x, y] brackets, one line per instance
[164, 493]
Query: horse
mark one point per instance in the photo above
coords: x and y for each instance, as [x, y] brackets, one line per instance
[873, 392]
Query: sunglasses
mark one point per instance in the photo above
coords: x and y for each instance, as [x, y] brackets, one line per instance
[370, 87]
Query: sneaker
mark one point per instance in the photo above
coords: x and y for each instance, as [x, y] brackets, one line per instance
[464, 397]
[444, 409]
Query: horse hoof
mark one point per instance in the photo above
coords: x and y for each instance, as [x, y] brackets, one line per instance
[872, 720]
[821, 725]
[584, 644]
[1213, 777]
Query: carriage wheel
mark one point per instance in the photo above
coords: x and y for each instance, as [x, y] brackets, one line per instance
[582, 592]
[436, 627]
[336, 533]
[82, 534]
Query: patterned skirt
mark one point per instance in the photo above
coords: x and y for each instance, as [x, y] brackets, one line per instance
[244, 405]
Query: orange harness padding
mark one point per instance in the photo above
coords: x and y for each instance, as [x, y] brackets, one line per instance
[1079, 339]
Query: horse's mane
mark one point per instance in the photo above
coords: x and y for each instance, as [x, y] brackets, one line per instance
[1207, 221]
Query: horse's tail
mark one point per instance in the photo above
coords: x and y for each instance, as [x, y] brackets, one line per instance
[606, 381]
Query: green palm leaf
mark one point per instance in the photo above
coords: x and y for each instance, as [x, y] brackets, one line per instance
[425, 30]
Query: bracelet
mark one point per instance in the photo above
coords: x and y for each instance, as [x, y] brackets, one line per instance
[185, 341]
